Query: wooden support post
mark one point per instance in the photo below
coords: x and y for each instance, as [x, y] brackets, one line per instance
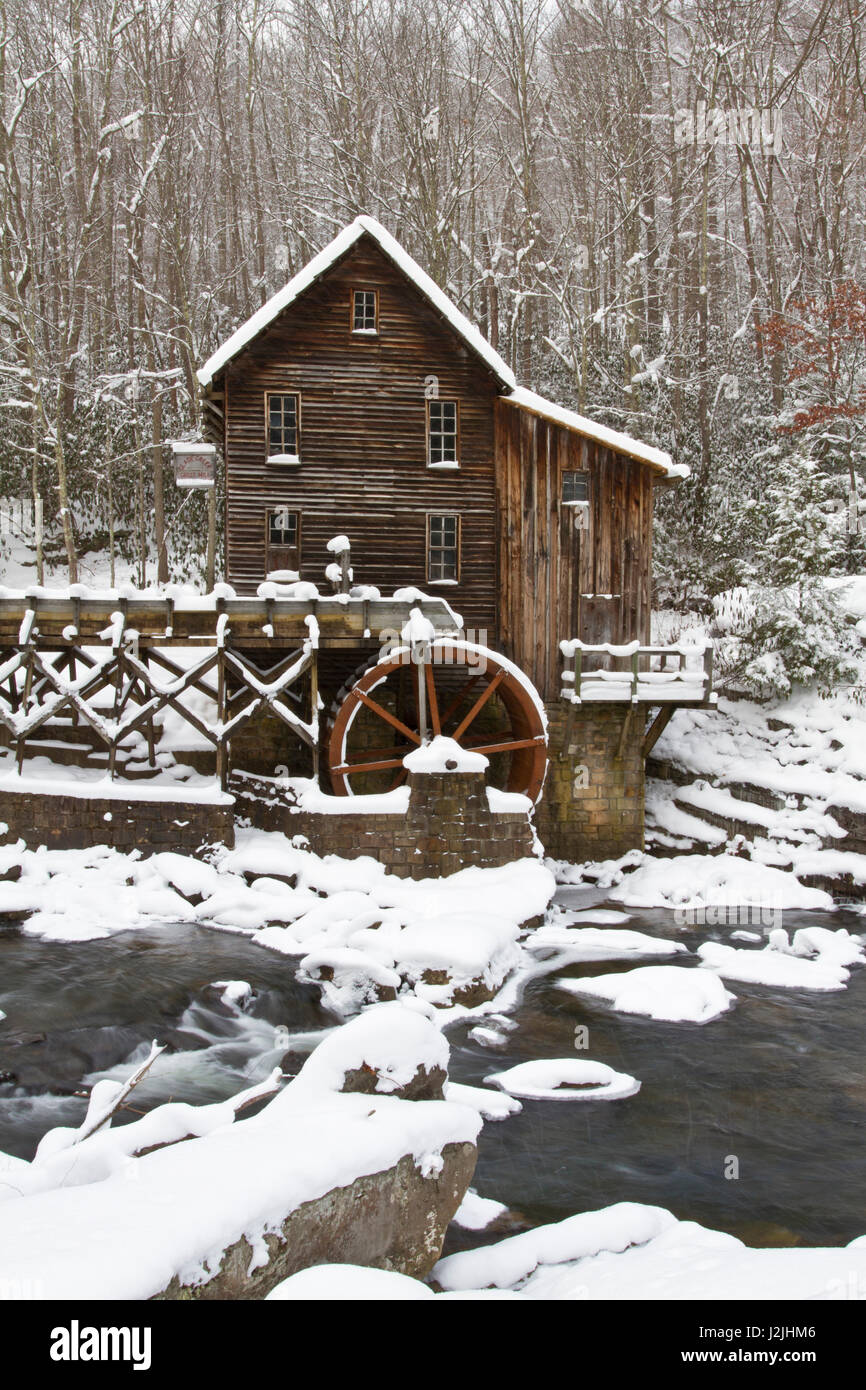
[210, 567]
[314, 709]
[222, 750]
[657, 728]
[569, 730]
[626, 725]
[422, 650]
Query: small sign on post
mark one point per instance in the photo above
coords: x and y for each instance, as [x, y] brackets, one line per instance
[194, 465]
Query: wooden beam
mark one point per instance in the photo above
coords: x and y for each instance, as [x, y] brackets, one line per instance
[657, 728]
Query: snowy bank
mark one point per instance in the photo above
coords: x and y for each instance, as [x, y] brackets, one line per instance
[177, 1217]
[635, 1252]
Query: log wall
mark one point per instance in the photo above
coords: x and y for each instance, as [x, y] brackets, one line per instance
[363, 439]
[557, 581]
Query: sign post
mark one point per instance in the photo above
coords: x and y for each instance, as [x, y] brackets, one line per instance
[195, 467]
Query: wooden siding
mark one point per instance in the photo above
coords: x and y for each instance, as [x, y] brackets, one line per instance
[548, 567]
[363, 444]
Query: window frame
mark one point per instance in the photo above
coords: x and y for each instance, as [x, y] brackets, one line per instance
[282, 545]
[574, 473]
[443, 464]
[364, 332]
[458, 547]
[271, 454]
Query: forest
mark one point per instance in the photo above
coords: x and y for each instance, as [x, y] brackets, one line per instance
[654, 211]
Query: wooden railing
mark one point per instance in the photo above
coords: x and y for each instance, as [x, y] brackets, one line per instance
[101, 660]
[676, 674]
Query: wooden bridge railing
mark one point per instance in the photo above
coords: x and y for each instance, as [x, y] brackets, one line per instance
[102, 661]
[677, 674]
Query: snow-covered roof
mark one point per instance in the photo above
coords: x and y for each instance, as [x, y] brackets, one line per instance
[622, 443]
[260, 320]
[515, 395]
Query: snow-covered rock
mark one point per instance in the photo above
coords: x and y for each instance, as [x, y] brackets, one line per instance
[668, 992]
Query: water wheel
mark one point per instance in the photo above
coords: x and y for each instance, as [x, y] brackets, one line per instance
[464, 692]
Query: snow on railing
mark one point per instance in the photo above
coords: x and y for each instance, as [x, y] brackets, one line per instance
[651, 675]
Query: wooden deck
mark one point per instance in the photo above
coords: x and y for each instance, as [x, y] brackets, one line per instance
[59, 621]
[604, 674]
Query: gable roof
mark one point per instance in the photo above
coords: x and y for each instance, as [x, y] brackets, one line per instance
[512, 393]
[311, 272]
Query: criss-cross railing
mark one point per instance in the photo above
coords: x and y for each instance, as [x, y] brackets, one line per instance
[109, 663]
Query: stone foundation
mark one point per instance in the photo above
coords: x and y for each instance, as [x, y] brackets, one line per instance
[77, 822]
[448, 825]
[592, 806]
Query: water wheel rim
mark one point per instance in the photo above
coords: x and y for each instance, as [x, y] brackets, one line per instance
[527, 743]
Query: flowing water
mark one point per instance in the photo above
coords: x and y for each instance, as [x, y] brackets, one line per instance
[778, 1083]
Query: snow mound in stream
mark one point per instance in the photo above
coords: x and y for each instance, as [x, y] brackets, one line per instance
[564, 1078]
[668, 992]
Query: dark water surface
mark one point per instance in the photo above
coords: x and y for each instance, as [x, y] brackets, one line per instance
[778, 1083]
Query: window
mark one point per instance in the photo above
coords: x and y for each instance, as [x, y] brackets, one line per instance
[283, 414]
[575, 487]
[443, 548]
[283, 536]
[365, 311]
[282, 527]
[442, 434]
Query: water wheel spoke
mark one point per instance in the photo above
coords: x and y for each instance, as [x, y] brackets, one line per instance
[364, 761]
[379, 765]
[479, 704]
[509, 745]
[458, 698]
[389, 717]
[490, 736]
[432, 702]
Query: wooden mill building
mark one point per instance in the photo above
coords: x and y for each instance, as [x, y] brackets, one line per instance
[360, 401]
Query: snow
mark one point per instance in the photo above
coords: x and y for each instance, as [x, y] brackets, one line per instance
[592, 943]
[634, 1252]
[444, 755]
[507, 802]
[350, 1284]
[338, 545]
[509, 1261]
[173, 1212]
[475, 1213]
[94, 782]
[234, 993]
[669, 992]
[347, 238]
[819, 753]
[775, 966]
[417, 628]
[564, 1078]
[612, 439]
[292, 459]
[488, 1104]
[695, 880]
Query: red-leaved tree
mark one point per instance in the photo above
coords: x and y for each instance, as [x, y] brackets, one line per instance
[823, 343]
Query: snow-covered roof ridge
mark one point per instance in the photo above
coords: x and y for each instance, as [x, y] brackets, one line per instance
[622, 443]
[341, 243]
[517, 395]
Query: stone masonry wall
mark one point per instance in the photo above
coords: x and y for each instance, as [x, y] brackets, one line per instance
[77, 822]
[592, 806]
[448, 826]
